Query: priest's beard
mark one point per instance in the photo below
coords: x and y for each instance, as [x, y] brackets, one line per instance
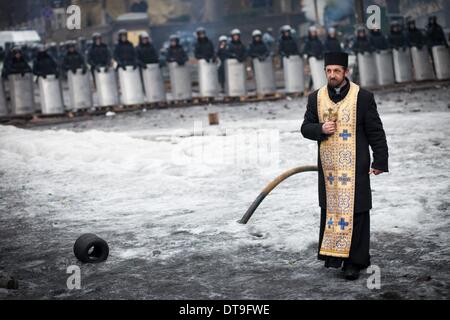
[336, 82]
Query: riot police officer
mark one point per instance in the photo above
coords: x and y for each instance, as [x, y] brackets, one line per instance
[99, 55]
[313, 46]
[124, 53]
[44, 64]
[287, 46]
[257, 48]
[362, 43]
[204, 48]
[332, 43]
[236, 49]
[397, 39]
[435, 34]
[414, 36]
[145, 51]
[175, 52]
[16, 64]
[377, 40]
[73, 60]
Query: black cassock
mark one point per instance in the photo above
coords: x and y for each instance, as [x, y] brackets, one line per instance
[369, 132]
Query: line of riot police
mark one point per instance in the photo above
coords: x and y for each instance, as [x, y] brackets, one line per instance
[403, 56]
[132, 75]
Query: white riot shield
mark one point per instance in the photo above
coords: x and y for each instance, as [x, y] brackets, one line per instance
[367, 70]
[180, 81]
[154, 84]
[3, 109]
[423, 67]
[208, 80]
[385, 68]
[317, 72]
[264, 76]
[235, 78]
[107, 90]
[79, 90]
[441, 59]
[22, 94]
[403, 65]
[294, 79]
[131, 86]
[51, 95]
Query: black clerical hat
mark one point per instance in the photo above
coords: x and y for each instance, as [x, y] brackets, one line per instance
[336, 58]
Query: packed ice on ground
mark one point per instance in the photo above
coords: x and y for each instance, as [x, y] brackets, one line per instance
[165, 190]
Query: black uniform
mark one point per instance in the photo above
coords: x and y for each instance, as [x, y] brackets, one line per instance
[258, 50]
[146, 54]
[378, 41]
[397, 39]
[204, 49]
[415, 37]
[15, 66]
[124, 54]
[237, 50]
[435, 35]
[287, 46]
[369, 132]
[99, 56]
[45, 65]
[313, 47]
[222, 54]
[362, 45]
[177, 54]
[73, 61]
[332, 44]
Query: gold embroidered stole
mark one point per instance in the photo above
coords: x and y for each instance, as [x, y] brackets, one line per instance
[338, 158]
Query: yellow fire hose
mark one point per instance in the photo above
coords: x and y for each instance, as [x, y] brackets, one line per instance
[272, 186]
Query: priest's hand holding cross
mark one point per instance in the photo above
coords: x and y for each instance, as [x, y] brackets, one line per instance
[329, 127]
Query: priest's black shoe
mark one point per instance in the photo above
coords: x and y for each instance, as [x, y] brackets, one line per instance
[351, 271]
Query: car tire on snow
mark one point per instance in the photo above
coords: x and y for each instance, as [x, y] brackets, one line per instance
[91, 249]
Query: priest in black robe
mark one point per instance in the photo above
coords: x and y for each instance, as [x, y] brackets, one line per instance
[368, 132]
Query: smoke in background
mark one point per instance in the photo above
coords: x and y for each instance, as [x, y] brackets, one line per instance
[330, 12]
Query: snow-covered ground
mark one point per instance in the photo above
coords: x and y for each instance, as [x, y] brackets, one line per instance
[165, 190]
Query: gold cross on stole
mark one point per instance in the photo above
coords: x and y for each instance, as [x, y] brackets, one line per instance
[331, 115]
